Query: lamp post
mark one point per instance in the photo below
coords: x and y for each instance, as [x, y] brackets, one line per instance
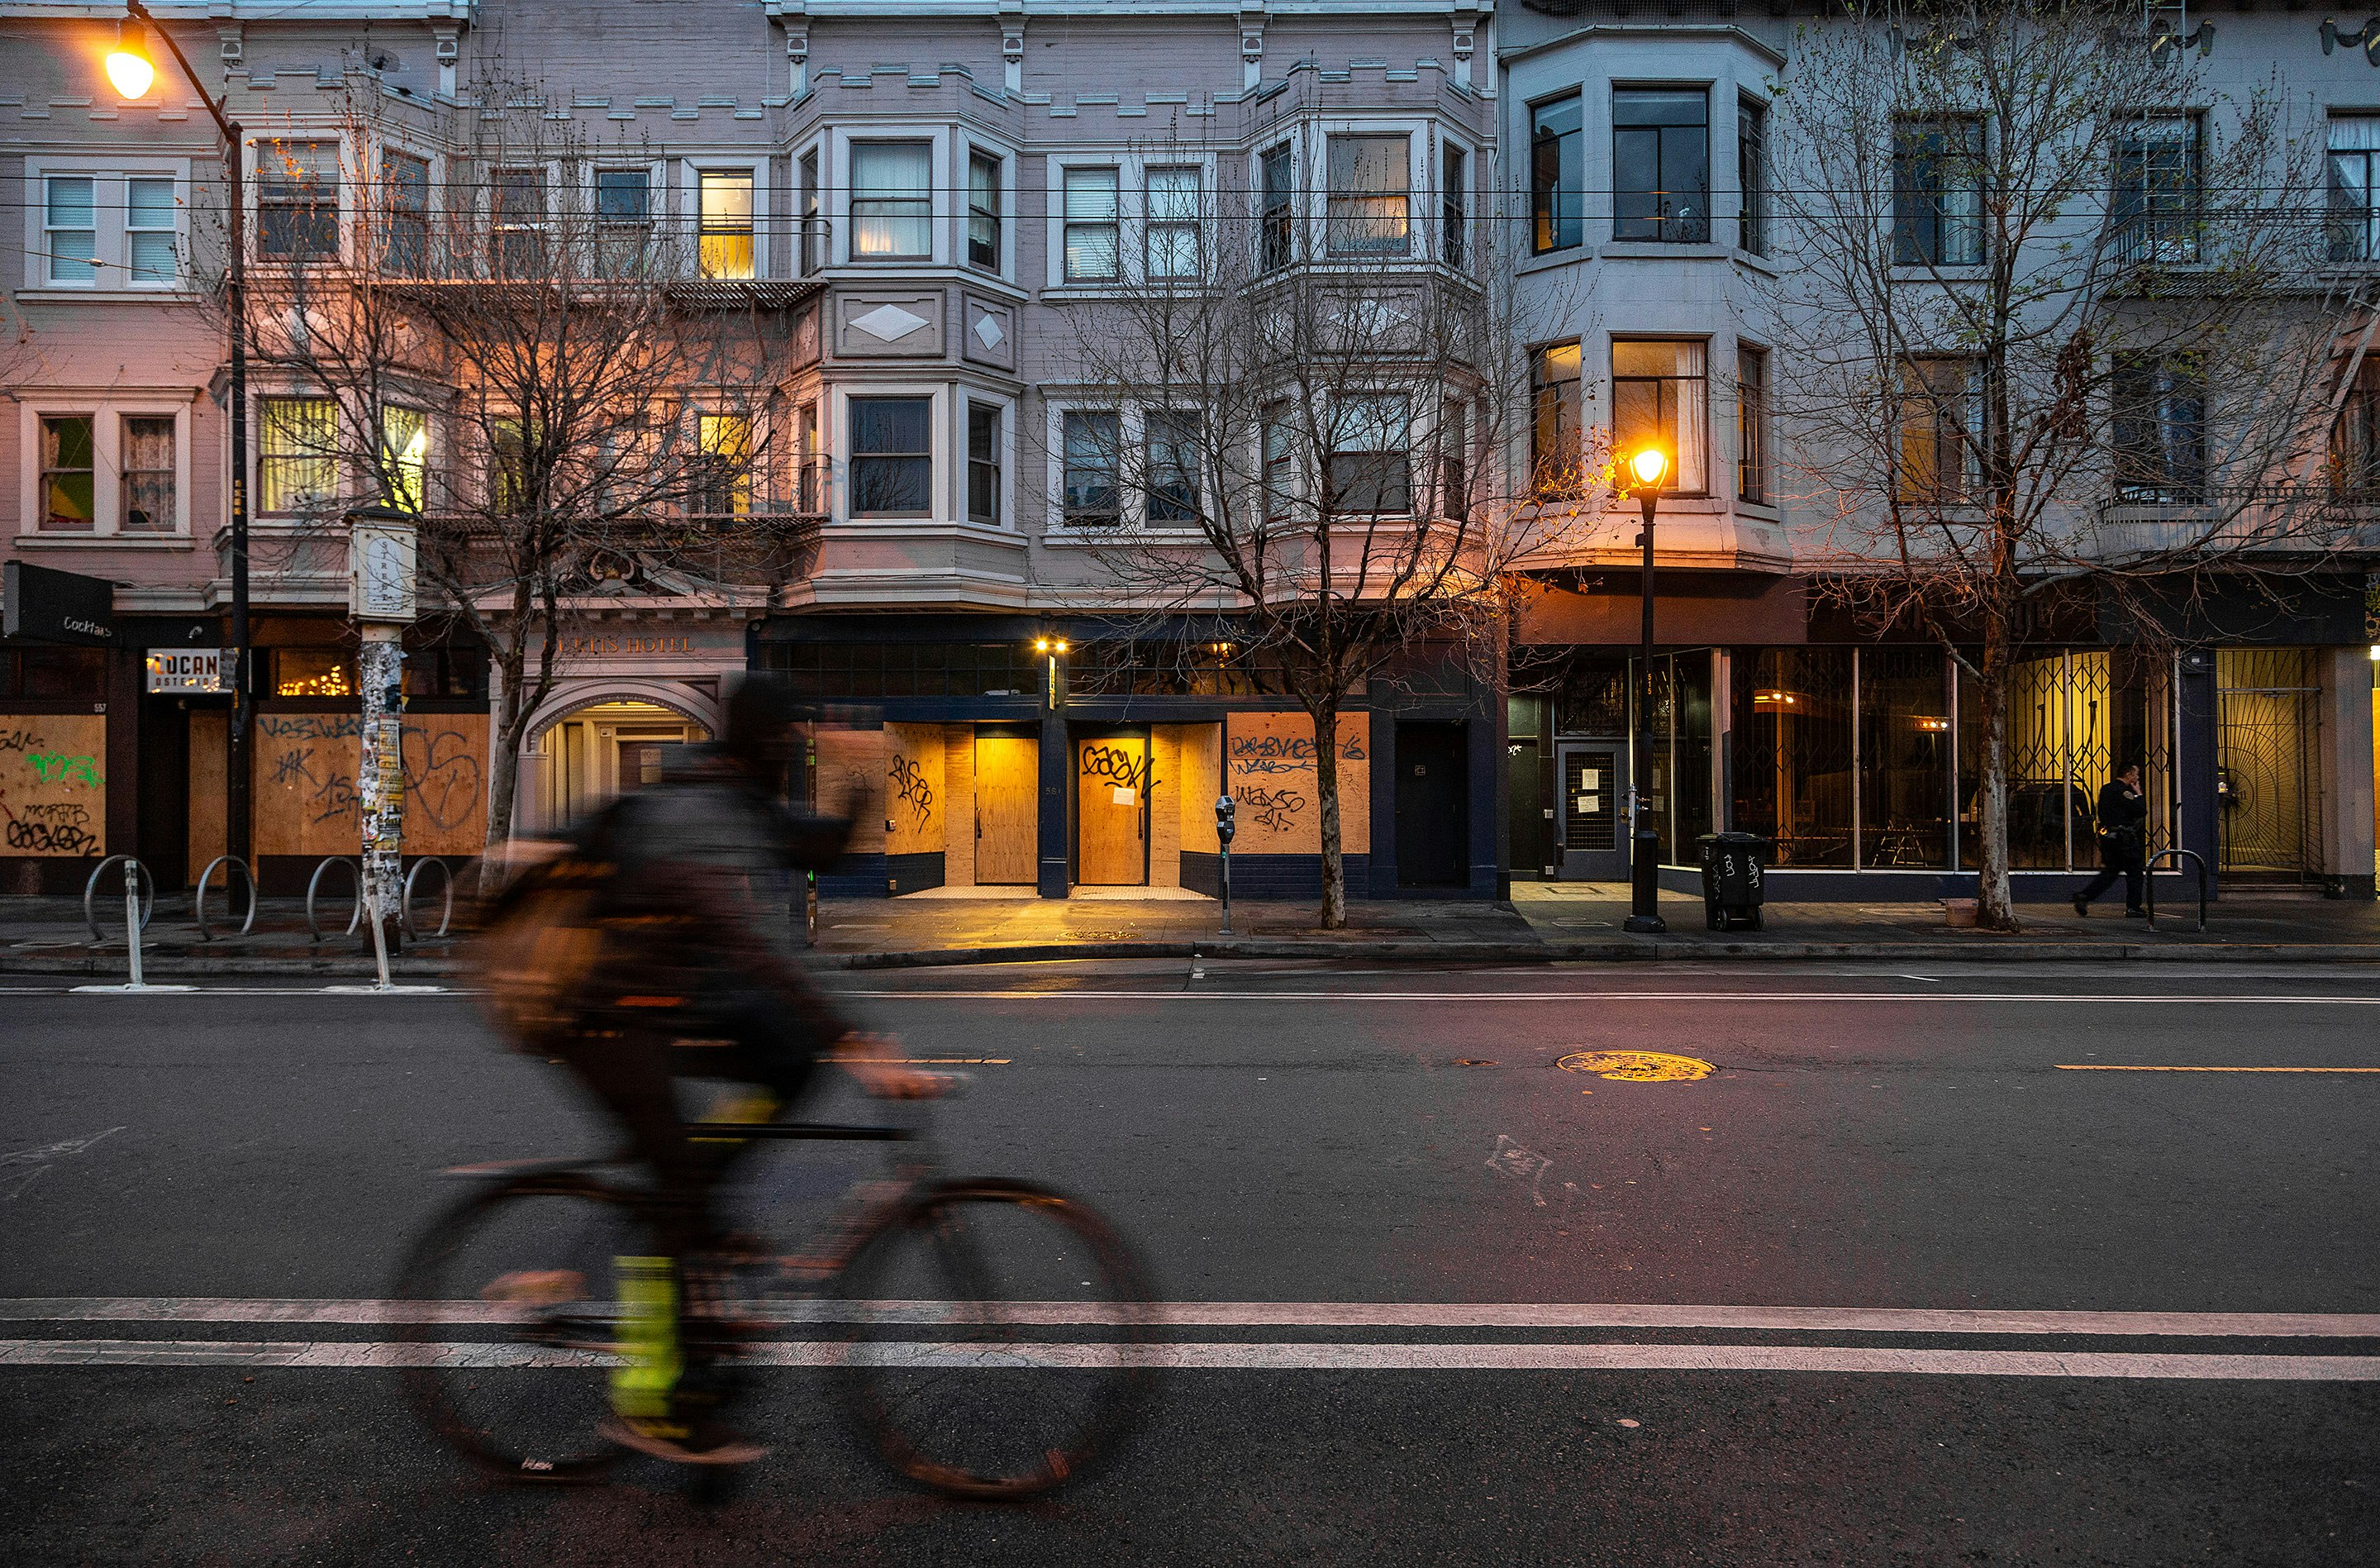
[130, 72]
[1649, 469]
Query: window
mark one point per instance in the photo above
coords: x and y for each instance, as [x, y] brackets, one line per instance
[1794, 780]
[1277, 197]
[1658, 389]
[724, 238]
[2355, 440]
[722, 475]
[1937, 193]
[1170, 448]
[1556, 174]
[70, 227]
[149, 228]
[1091, 442]
[297, 465]
[1454, 461]
[892, 456]
[1751, 423]
[511, 487]
[405, 213]
[1905, 740]
[298, 199]
[892, 200]
[983, 463]
[1454, 198]
[2354, 208]
[69, 489]
[813, 245]
[2160, 428]
[1371, 208]
[1174, 197]
[1371, 461]
[1751, 174]
[983, 212]
[314, 671]
[146, 461]
[1556, 452]
[405, 456]
[1941, 431]
[623, 222]
[518, 214]
[810, 464]
[1279, 439]
[1090, 237]
[2155, 205]
[1661, 164]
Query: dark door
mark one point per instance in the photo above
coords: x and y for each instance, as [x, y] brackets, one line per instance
[1433, 807]
[164, 792]
[1593, 848]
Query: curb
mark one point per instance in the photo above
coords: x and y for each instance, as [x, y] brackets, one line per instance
[107, 965]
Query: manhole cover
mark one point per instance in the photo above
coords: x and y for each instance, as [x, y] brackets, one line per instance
[1637, 1066]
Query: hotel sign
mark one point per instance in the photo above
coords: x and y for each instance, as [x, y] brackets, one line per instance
[616, 645]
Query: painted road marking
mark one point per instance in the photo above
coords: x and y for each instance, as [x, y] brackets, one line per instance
[2112, 1068]
[1922, 998]
[1277, 1315]
[1209, 1357]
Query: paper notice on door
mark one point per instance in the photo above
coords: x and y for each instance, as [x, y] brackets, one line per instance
[1125, 795]
[1590, 803]
[1591, 777]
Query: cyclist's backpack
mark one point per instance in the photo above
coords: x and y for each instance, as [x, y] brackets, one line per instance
[537, 959]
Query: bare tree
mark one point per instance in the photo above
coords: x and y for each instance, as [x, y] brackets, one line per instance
[1296, 428]
[510, 337]
[2044, 340]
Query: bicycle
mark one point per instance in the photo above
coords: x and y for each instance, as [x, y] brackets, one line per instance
[946, 1371]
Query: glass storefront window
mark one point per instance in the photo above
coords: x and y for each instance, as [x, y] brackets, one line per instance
[1906, 732]
[1791, 709]
[2075, 717]
[1680, 796]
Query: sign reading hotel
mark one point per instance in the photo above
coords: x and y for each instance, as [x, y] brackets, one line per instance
[617, 645]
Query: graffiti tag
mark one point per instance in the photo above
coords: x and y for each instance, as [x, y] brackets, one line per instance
[56, 767]
[1116, 765]
[20, 740]
[915, 792]
[1274, 809]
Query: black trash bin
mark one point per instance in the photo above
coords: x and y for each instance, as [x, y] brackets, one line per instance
[1732, 879]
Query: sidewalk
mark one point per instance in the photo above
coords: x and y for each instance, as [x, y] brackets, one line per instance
[1545, 922]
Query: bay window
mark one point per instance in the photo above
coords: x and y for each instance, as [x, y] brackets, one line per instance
[892, 200]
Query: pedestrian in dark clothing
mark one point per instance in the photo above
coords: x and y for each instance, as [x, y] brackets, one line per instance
[2123, 838]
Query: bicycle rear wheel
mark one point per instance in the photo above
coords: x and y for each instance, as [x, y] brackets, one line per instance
[996, 1338]
[515, 1322]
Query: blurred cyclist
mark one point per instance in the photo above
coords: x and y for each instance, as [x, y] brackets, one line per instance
[695, 980]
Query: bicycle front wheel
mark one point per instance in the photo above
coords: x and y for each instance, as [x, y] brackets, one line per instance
[996, 1338]
[514, 1308]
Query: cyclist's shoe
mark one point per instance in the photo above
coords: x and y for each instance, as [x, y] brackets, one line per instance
[696, 1440]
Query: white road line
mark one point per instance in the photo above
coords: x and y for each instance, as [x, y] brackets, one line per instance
[1923, 997]
[316, 1355]
[1282, 1315]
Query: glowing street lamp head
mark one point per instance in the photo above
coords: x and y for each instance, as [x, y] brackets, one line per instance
[1648, 466]
[129, 69]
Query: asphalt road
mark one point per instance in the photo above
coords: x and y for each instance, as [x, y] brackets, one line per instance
[1560, 1355]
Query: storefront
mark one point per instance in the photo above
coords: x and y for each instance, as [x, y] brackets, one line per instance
[1009, 752]
[631, 691]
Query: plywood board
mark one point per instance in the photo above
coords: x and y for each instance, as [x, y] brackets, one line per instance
[53, 785]
[1165, 806]
[851, 783]
[1007, 809]
[914, 808]
[209, 730]
[1111, 812]
[1202, 781]
[958, 784]
[304, 783]
[1270, 770]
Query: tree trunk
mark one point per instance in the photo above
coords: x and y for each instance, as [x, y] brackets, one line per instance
[1995, 901]
[1326, 787]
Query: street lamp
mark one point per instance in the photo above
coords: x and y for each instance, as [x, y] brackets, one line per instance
[1649, 469]
[131, 73]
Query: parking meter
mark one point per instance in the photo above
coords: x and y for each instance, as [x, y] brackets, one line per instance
[1224, 826]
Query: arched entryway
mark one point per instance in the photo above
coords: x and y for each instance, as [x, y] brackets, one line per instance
[600, 743]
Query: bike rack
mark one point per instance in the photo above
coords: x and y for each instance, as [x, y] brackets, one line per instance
[91, 887]
[198, 899]
[2148, 881]
[313, 930]
[404, 905]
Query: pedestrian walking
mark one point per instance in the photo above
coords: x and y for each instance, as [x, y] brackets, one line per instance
[2123, 838]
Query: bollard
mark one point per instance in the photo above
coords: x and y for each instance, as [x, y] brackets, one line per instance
[133, 872]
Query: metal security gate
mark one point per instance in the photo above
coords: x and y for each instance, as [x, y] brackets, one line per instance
[1592, 786]
[2266, 770]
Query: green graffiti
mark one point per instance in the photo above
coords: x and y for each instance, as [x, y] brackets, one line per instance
[53, 767]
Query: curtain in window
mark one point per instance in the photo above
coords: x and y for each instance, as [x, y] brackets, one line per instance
[1370, 195]
[2354, 159]
[147, 463]
[891, 198]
